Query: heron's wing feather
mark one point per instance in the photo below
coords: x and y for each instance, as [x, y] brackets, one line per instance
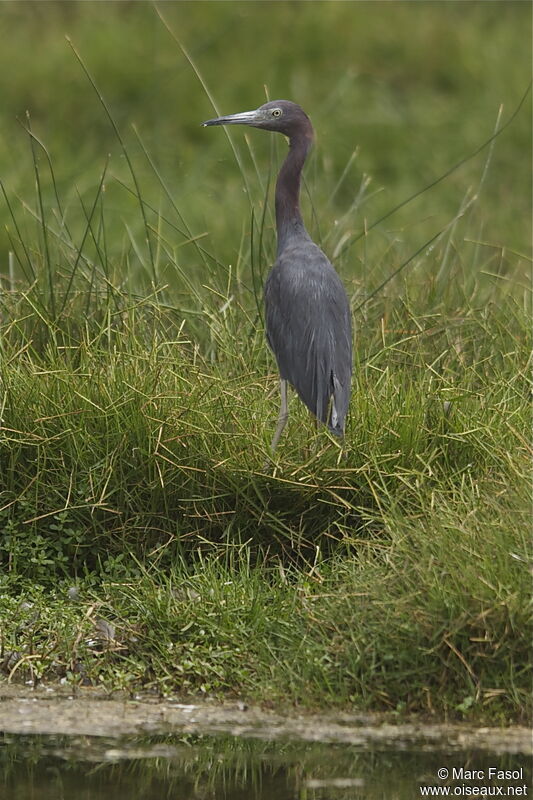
[309, 330]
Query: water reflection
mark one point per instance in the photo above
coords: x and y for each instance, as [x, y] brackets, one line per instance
[227, 768]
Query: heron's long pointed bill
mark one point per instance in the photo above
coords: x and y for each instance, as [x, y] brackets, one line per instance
[244, 118]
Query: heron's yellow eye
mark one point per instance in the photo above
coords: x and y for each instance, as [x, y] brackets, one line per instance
[276, 112]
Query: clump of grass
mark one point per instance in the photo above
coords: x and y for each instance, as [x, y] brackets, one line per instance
[145, 445]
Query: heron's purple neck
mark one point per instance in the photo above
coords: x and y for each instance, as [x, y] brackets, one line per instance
[288, 217]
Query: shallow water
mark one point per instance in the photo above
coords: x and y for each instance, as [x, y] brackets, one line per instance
[198, 767]
[57, 744]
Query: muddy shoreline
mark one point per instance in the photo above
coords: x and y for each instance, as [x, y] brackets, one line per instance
[89, 712]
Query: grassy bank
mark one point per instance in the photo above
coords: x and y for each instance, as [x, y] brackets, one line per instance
[393, 577]
[142, 542]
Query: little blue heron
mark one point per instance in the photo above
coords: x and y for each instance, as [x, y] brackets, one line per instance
[308, 324]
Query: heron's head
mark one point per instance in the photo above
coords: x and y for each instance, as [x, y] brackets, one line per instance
[277, 115]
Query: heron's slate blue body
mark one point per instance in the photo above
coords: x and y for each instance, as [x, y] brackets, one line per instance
[308, 319]
[308, 329]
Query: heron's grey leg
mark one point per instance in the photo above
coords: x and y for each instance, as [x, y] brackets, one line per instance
[283, 415]
[314, 446]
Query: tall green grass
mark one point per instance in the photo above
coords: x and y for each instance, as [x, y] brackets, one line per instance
[137, 400]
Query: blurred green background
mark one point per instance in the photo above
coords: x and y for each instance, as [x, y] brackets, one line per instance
[411, 87]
